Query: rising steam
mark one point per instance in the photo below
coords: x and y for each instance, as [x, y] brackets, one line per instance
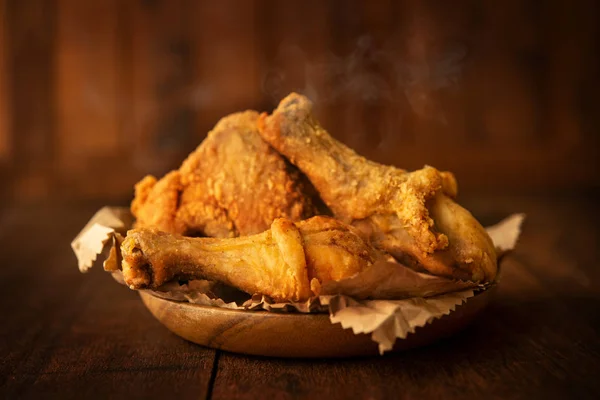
[370, 74]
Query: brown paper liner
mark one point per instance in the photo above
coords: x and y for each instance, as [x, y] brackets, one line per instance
[406, 299]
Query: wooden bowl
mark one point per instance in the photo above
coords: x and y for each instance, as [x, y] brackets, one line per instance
[292, 334]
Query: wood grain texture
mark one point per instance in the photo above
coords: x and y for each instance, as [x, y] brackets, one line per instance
[5, 122]
[102, 92]
[70, 335]
[227, 54]
[88, 94]
[30, 37]
[538, 338]
[293, 335]
[161, 124]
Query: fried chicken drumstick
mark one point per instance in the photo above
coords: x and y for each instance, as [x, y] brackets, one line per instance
[411, 215]
[287, 262]
[232, 184]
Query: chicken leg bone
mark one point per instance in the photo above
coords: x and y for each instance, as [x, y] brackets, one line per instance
[408, 214]
[289, 261]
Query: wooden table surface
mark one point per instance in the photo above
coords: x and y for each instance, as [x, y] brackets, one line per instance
[69, 335]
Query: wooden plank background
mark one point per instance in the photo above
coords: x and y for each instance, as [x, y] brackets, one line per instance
[95, 94]
[5, 145]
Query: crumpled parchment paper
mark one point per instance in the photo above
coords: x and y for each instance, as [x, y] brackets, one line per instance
[405, 301]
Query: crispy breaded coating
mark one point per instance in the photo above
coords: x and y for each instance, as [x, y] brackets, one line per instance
[233, 184]
[411, 215]
[289, 261]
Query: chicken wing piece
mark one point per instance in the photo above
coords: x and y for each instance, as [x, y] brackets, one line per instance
[289, 261]
[232, 184]
[408, 214]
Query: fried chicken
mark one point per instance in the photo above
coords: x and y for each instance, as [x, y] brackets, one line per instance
[411, 215]
[289, 261]
[232, 184]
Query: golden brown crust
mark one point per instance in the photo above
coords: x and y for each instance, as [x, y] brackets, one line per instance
[232, 184]
[353, 187]
[236, 184]
[289, 261]
[391, 206]
[155, 203]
